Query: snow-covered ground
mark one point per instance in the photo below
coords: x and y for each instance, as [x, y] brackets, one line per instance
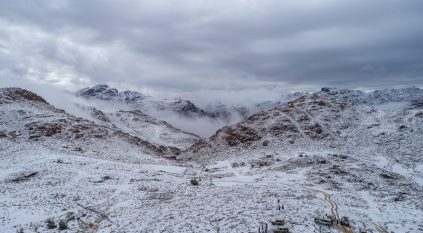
[117, 196]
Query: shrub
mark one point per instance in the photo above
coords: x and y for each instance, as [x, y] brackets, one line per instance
[63, 225]
[51, 224]
[70, 216]
[194, 182]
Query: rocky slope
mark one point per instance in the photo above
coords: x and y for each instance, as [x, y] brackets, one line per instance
[363, 129]
[28, 118]
[329, 118]
[145, 127]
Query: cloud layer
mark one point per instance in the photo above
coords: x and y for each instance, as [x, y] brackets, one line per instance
[196, 47]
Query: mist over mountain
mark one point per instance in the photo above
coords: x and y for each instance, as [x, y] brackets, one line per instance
[182, 113]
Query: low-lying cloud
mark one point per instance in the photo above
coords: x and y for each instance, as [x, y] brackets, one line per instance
[201, 126]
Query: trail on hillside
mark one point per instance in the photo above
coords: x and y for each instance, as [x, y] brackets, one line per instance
[334, 206]
[379, 228]
[334, 211]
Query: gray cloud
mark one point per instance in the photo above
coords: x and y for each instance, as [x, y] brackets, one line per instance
[192, 47]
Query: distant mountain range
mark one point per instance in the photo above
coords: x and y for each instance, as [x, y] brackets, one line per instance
[225, 112]
[145, 103]
[148, 104]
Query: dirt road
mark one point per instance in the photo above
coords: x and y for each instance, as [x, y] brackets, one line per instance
[379, 228]
[334, 211]
[328, 198]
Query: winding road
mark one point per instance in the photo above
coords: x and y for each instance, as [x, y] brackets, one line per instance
[334, 211]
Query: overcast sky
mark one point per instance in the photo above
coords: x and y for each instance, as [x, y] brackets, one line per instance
[238, 49]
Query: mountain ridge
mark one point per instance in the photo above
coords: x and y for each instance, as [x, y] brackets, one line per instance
[33, 119]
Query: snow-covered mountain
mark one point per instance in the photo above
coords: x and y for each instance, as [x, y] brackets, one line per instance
[230, 112]
[28, 118]
[104, 92]
[340, 152]
[180, 106]
[178, 112]
[374, 98]
[141, 102]
[144, 126]
[364, 145]
[331, 118]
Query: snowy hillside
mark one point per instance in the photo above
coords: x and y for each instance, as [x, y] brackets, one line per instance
[327, 117]
[367, 145]
[317, 122]
[338, 152]
[28, 118]
[144, 126]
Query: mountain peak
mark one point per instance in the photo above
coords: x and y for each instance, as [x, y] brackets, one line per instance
[17, 94]
[100, 91]
[140, 101]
